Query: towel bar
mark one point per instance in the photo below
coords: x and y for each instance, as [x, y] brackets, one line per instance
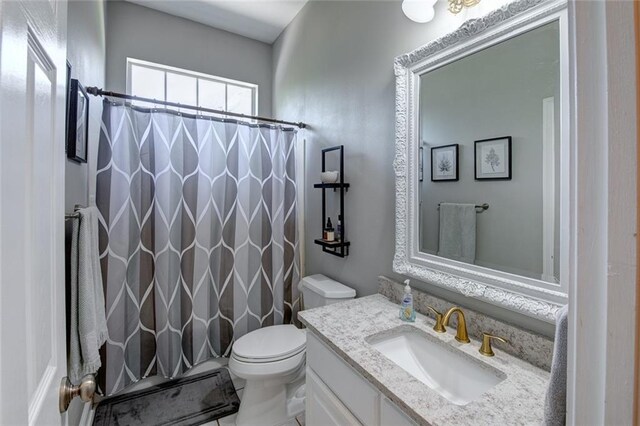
[75, 214]
[484, 206]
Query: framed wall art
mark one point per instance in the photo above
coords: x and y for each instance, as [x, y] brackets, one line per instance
[444, 163]
[421, 164]
[493, 158]
[77, 122]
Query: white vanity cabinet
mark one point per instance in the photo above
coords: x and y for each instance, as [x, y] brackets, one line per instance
[338, 395]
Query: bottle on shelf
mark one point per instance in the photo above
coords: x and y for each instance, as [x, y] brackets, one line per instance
[338, 234]
[328, 234]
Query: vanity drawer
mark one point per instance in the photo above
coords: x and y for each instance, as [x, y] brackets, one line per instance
[352, 389]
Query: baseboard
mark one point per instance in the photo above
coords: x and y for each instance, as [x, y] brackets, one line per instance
[87, 415]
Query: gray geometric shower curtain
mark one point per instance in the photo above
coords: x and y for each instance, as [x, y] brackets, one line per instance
[198, 237]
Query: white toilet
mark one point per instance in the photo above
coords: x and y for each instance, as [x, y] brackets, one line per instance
[272, 360]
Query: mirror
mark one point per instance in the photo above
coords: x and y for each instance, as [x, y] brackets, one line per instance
[489, 129]
[482, 159]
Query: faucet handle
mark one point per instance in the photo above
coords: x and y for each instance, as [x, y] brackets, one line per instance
[439, 327]
[486, 349]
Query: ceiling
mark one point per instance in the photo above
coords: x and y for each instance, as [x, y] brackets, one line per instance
[261, 20]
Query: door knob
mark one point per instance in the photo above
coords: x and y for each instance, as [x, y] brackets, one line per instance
[85, 390]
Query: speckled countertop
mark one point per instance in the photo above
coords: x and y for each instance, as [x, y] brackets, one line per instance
[518, 400]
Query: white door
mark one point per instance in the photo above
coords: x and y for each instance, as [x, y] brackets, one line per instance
[32, 159]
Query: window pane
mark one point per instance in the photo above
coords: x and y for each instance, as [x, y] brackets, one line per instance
[185, 87]
[239, 99]
[147, 82]
[181, 88]
[211, 94]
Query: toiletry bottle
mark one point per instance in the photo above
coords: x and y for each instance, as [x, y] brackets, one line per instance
[330, 235]
[328, 231]
[339, 229]
[406, 307]
[325, 233]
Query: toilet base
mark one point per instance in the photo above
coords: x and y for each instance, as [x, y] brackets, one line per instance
[271, 402]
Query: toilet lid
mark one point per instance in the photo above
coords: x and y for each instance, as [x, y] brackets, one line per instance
[270, 343]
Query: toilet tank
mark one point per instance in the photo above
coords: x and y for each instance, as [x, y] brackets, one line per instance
[319, 290]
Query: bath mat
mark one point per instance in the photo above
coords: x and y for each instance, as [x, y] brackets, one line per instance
[184, 401]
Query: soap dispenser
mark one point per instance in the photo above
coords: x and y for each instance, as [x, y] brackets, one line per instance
[407, 313]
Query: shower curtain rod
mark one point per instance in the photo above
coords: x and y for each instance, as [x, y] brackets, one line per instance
[95, 91]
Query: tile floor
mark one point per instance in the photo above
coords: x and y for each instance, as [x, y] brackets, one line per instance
[230, 420]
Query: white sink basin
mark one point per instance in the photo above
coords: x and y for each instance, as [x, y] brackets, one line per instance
[453, 374]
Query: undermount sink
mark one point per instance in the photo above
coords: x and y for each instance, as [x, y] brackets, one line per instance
[453, 374]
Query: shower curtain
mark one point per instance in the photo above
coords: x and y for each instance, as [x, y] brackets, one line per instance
[198, 237]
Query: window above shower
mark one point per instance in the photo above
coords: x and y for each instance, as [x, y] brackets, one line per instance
[165, 83]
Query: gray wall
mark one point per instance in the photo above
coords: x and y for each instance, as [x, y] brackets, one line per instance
[493, 93]
[138, 32]
[86, 54]
[333, 69]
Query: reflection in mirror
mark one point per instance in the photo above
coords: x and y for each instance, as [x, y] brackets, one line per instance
[490, 133]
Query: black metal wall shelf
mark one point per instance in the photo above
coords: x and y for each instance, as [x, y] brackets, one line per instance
[333, 186]
[331, 244]
[337, 248]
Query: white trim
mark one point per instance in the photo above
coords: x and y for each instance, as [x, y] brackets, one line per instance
[602, 311]
[301, 180]
[87, 415]
[528, 296]
[40, 396]
[548, 188]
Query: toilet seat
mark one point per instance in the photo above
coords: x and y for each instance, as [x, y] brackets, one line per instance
[270, 344]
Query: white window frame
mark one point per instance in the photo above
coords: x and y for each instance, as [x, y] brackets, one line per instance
[198, 76]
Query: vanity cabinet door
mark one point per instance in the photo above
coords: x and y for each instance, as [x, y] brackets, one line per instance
[323, 408]
[390, 415]
[348, 385]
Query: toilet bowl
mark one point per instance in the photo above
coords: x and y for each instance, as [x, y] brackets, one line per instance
[272, 360]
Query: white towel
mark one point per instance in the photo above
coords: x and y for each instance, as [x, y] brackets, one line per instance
[458, 232]
[88, 322]
[555, 404]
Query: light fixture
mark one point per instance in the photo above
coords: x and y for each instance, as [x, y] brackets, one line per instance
[456, 6]
[420, 11]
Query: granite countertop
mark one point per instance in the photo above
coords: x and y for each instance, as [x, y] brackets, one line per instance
[517, 400]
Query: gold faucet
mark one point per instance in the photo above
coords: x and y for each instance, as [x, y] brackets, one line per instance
[461, 333]
[485, 349]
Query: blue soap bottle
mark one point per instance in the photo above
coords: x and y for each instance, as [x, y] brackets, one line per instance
[407, 313]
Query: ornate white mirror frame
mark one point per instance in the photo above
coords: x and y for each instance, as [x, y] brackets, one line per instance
[532, 297]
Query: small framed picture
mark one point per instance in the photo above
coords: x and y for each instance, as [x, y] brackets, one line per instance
[421, 164]
[493, 159]
[66, 106]
[444, 163]
[77, 122]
